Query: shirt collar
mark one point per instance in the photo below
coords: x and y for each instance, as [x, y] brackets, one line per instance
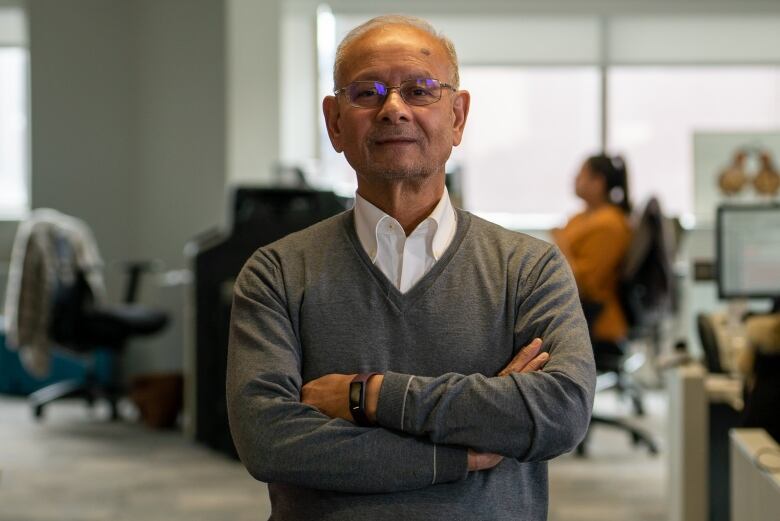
[368, 218]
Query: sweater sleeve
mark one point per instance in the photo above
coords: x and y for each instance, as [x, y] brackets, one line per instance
[530, 416]
[279, 439]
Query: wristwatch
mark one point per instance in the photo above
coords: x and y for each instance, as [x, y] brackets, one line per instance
[357, 398]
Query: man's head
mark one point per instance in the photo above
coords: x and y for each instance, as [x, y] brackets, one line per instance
[396, 138]
[392, 19]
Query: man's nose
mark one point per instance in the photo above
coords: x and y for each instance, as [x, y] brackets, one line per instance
[394, 109]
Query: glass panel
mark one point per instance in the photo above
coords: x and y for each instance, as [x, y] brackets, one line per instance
[654, 111]
[527, 133]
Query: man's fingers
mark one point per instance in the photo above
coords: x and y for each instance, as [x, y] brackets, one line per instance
[536, 364]
[482, 460]
[523, 357]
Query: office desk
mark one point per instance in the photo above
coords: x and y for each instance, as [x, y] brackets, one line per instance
[755, 493]
[702, 409]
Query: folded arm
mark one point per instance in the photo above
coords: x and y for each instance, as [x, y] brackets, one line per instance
[530, 415]
[280, 439]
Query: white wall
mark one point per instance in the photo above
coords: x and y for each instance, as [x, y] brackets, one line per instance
[82, 126]
[128, 133]
[177, 186]
[253, 99]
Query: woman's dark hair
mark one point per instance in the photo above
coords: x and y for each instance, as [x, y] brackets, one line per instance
[613, 171]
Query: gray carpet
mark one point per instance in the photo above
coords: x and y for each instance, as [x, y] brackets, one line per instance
[77, 467]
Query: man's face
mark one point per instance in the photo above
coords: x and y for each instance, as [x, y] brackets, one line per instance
[396, 140]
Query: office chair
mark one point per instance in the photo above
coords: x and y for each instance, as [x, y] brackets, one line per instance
[79, 325]
[647, 292]
[610, 358]
[709, 343]
[81, 328]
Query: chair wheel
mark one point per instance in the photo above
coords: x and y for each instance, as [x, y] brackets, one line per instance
[652, 448]
[639, 409]
[581, 450]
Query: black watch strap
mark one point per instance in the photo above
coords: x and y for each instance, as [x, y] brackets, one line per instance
[357, 398]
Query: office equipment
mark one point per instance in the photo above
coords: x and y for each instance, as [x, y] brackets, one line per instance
[755, 476]
[259, 217]
[748, 251]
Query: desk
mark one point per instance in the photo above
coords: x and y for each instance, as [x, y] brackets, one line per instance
[755, 494]
[702, 408]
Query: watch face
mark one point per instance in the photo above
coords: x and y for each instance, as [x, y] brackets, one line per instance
[354, 394]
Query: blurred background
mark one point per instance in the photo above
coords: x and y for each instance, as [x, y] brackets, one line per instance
[183, 134]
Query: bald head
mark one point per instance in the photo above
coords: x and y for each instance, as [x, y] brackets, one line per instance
[389, 23]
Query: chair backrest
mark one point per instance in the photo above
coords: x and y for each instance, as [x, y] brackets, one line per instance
[647, 284]
[709, 343]
[71, 295]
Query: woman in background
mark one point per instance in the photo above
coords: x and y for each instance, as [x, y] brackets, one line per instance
[595, 241]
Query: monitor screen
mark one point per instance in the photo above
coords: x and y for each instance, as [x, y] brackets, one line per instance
[748, 251]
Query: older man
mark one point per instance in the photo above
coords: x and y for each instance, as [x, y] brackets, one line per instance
[387, 363]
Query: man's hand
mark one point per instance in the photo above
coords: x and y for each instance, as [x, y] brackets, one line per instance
[329, 394]
[482, 460]
[526, 360]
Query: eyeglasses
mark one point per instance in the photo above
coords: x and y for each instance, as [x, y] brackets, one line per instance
[372, 94]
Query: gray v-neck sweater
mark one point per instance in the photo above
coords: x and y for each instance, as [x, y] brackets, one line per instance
[313, 303]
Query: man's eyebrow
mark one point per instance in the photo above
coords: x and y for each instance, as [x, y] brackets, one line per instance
[425, 51]
[413, 75]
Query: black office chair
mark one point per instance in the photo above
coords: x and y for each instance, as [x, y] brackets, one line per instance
[80, 326]
[709, 343]
[648, 292]
[610, 358]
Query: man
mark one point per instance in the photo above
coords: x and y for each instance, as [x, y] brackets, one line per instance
[459, 421]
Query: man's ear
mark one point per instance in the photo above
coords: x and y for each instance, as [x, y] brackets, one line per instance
[460, 109]
[331, 110]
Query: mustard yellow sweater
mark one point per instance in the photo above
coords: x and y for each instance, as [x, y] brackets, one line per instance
[594, 242]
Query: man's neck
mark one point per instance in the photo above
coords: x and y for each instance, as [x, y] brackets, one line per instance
[408, 202]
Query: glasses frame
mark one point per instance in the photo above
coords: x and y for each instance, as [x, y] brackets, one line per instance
[388, 88]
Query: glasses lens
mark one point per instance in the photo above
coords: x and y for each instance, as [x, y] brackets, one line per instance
[371, 94]
[422, 91]
[366, 93]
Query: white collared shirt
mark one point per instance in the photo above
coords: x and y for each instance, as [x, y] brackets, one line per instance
[404, 260]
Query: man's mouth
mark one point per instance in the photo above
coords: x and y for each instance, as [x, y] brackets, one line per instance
[395, 141]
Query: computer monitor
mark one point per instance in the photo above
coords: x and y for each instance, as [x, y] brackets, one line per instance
[748, 251]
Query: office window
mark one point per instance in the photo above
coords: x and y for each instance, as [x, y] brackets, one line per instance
[528, 131]
[14, 201]
[654, 111]
[520, 152]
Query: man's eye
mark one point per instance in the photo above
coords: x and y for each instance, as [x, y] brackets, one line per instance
[418, 92]
[367, 93]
